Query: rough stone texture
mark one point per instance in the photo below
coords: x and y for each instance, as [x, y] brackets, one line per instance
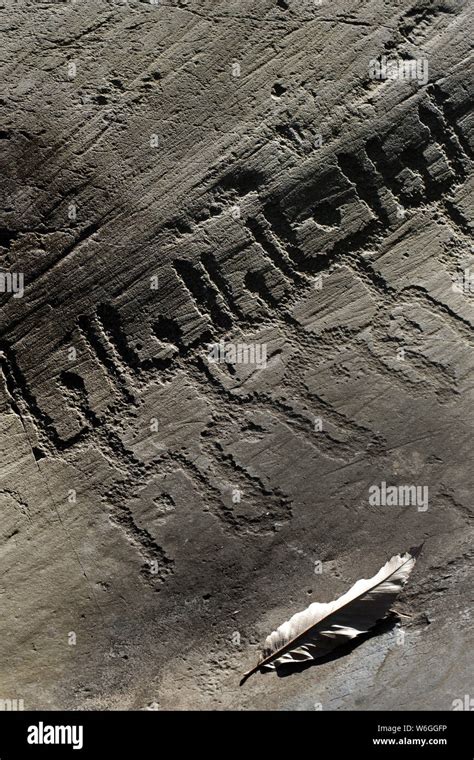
[121, 460]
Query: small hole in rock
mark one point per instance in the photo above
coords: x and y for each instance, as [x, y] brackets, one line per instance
[327, 215]
[278, 89]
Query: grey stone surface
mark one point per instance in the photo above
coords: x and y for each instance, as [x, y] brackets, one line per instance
[183, 173]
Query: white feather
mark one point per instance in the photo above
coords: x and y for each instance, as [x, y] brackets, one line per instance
[320, 628]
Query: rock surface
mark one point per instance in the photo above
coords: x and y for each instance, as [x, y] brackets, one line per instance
[194, 172]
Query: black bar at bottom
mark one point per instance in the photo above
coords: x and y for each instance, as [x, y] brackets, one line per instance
[137, 734]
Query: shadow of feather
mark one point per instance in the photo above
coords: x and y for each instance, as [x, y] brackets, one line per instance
[383, 626]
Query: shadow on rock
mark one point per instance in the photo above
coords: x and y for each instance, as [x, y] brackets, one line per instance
[384, 626]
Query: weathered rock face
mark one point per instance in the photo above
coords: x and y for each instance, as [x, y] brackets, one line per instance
[180, 174]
